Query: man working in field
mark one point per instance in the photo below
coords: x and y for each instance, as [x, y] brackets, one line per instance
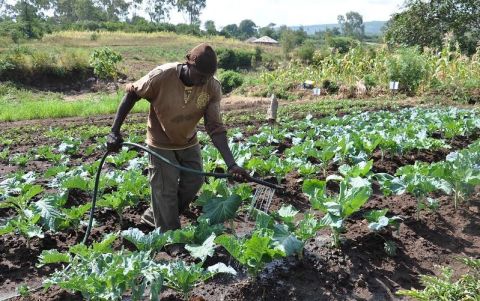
[180, 94]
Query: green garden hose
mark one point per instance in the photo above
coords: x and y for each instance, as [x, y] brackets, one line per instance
[182, 168]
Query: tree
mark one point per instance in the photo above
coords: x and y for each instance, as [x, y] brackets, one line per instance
[287, 41]
[65, 11]
[210, 27]
[28, 15]
[87, 10]
[269, 31]
[192, 8]
[69, 11]
[2, 10]
[230, 31]
[352, 25]
[426, 23]
[114, 10]
[135, 4]
[159, 10]
[300, 36]
[247, 29]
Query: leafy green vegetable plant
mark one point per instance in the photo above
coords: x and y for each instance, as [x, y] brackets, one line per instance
[132, 188]
[444, 287]
[379, 223]
[204, 250]
[354, 192]
[21, 159]
[25, 222]
[153, 241]
[418, 181]
[461, 172]
[4, 154]
[254, 252]
[304, 228]
[221, 204]
[98, 273]
[46, 152]
[183, 277]
[121, 158]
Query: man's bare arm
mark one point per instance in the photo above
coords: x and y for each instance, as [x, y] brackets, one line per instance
[114, 139]
[124, 108]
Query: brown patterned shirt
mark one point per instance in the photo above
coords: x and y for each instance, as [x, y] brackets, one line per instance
[176, 109]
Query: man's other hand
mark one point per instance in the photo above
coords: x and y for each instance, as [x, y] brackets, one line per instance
[114, 142]
[238, 173]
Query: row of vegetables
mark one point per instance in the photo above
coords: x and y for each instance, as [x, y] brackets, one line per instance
[99, 272]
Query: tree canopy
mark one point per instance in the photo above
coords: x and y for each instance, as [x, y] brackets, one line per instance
[426, 23]
[352, 25]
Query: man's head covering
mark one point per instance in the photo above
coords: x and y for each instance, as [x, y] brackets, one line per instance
[204, 58]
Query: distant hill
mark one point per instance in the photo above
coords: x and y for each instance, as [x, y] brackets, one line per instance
[371, 28]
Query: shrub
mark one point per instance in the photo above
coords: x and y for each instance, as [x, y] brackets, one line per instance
[104, 62]
[370, 81]
[467, 91]
[342, 44]
[191, 29]
[321, 54]
[230, 80]
[235, 59]
[407, 66]
[330, 86]
[257, 57]
[24, 64]
[306, 51]
[94, 36]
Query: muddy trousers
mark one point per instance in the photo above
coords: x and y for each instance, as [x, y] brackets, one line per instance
[173, 190]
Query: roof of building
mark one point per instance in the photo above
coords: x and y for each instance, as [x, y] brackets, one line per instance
[265, 39]
[251, 40]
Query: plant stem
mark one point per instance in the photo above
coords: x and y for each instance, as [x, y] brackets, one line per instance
[419, 202]
[232, 228]
[120, 218]
[336, 238]
[455, 199]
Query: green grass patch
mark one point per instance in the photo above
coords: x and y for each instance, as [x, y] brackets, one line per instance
[140, 51]
[54, 107]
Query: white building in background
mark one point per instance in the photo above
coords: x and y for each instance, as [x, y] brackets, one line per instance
[265, 40]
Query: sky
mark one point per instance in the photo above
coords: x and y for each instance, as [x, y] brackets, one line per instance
[291, 12]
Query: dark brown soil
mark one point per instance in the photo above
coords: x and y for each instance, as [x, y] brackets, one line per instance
[359, 270]
[391, 162]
